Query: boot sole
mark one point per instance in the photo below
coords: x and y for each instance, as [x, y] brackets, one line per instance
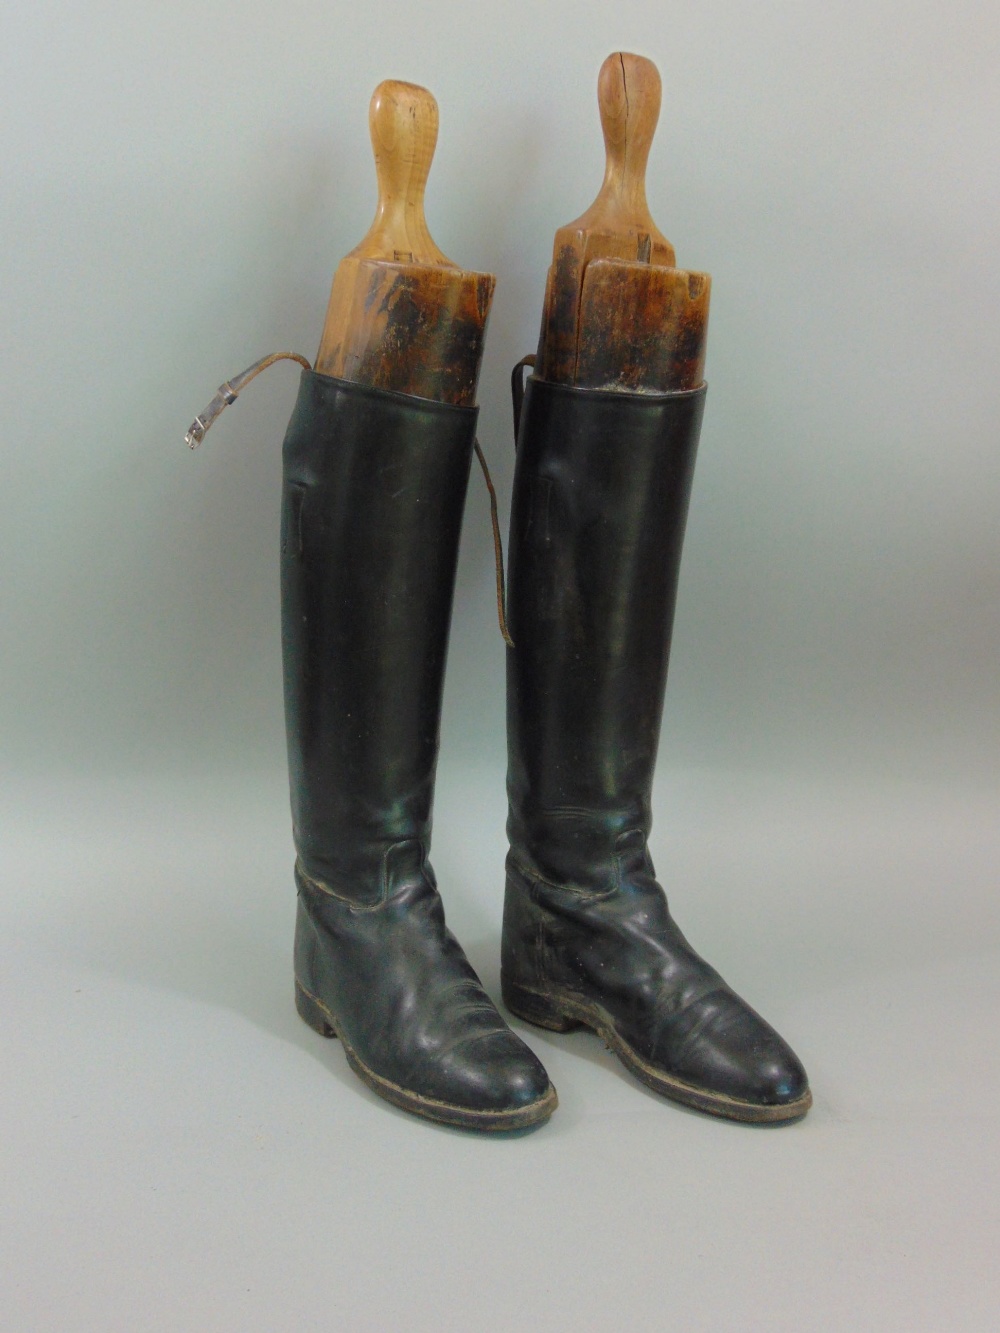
[559, 1012]
[314, 1012]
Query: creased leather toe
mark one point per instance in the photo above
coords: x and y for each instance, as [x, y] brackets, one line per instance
[725, 1047]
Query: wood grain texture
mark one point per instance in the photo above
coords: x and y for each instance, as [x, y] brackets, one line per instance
[642, 327]
[617, 313]
[401, 315]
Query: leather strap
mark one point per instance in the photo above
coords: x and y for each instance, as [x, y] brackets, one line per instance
[517, 390]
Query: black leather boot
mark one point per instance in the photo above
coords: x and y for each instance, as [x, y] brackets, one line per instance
[374, 488]
[600, 500]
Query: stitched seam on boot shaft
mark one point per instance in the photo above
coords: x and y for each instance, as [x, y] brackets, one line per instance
[591, 895]
[639, 822]
[321, 887]
[330, 892]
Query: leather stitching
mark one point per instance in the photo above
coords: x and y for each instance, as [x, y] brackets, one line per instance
[330, 892]
[591, 896]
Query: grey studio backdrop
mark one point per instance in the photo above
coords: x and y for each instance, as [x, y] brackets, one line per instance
[179, 183]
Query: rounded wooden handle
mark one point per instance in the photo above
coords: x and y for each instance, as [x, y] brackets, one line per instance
[628, 94]
[403, 120]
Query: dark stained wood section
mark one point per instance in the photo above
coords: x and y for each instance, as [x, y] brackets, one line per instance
[412, 328]
[642, 328]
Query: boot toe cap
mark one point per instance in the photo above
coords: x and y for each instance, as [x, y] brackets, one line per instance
[779, 1079]
[495, 1073]
[731, 1051]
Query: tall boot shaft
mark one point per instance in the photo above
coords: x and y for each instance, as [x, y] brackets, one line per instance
[601, 494]
[374, 489]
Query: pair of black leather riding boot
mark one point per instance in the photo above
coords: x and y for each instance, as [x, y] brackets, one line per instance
[374, 489]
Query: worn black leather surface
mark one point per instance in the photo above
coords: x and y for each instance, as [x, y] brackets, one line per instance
[374, 488]
[600, 501]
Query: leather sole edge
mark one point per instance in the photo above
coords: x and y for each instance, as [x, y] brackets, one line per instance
[317, 1016]
[558, 1012]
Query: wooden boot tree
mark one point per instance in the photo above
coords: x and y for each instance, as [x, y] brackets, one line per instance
[402, 316]
[618, 314]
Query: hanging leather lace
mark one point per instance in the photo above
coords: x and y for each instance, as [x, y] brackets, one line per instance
[497, 550]
[230, 390]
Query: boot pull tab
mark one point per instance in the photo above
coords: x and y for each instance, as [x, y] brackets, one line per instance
[228, 392]
[517, 390]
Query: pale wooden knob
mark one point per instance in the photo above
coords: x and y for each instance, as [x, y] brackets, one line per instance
[628, 94]
[403, 121]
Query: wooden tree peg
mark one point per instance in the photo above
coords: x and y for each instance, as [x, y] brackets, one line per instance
[628, 95]
[401, 315]
[618, 314]
[403, 122]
